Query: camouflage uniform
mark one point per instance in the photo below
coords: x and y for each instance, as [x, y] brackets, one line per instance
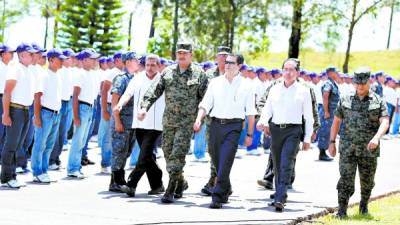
[269, 174]
[377, 88]
[122, 143]
[183, 93]
[361, 117]
[326, 124]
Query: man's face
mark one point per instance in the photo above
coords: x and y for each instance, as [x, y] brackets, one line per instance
[25, 57]
[315, 80]
[68, 62]
[36, 58]
[110, 65]
[132, 65]
[152, 67]
[56, 63]
[7, 57]
[231, 65]
[252, 75]
[381, 79]
[289, 71]
[42, 61]
[87, 63]
[362, 89]
[103, 66]
[183, 57]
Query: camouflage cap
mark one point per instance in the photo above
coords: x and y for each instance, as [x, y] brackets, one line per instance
[184, 47]
[361, 76]
[129, 56]
[223, 50]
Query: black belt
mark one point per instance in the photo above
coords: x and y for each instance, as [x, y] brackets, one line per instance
[50, 110]
[1, 95]
[286, 125]
[227, 121]
[19, 106]
[85, 103]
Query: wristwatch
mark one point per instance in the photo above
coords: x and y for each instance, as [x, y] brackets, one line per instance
[332, 141]
[250, 135]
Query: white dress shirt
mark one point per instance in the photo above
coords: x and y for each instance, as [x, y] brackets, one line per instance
[229, 100]
[137, 88]
[50, 85]
[24, 90]
[287, 105]
[318, 93]
[3, 73]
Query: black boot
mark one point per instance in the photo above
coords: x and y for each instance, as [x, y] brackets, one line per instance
[363, 207]
[207, 189]
[117, 181]
[342, 211]
[182, 185]
[169, 193]
[323, 156]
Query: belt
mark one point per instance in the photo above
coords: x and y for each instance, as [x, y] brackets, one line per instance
[227, 121]
[64, 101]
[1, 95]
[286, 125]
[18, 106]
[85, 103]
[50, 110]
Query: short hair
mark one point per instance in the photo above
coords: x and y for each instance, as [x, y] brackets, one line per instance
[239, 58]
[295, 60]
[153, 57]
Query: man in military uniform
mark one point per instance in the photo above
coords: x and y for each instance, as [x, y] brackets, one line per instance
[330, 99]
[366, 121]
[184, 85]
[222, 53]
[123, 137]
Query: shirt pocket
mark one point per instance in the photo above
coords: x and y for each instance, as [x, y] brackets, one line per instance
[373, 114]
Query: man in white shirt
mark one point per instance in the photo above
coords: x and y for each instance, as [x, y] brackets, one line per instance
[6, 55]
[17, 97]
[282, 117]
[66, 74]
[148, 130]
[231, 99]
[85, 93]
[47, 116]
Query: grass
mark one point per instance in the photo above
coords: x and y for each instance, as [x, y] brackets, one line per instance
[387, 61]
[383, 211]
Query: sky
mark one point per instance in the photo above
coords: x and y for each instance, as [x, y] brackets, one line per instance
[370, 34]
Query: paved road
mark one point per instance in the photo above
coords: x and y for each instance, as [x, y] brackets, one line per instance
[88, 202]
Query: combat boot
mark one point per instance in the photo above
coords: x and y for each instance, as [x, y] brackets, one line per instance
[323, 156]
[342, 211]
[363, 209]
[168, 196]
[182, 185]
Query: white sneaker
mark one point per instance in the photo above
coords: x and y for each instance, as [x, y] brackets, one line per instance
[131, 167]
[239, 154]
[267, 151]
[42, 178]
[76, 175]
[254, 152]
[52, 180]
[13, 184]
[105, 170]
[201, 160]
[66, 147]
[54, 167]
[19, 170]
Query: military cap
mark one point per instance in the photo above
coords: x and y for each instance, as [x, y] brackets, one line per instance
[56, 53]
[361, 76]
[378, 74]
[23, 47]
[223, 50]
[184, 47]
[142, 59]
[6, 48]
[129, 56]
[331, 69]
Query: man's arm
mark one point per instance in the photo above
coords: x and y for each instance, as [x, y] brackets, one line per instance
[37, 108]
[75, 105]
[9, 87]
[105, 87]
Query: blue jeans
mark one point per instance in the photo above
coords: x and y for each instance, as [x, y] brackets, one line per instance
[23, 151]
[91, 128]
[69, 120]
[105, 140]
[200, 143]
[45, 138]
[135, 154]
[256, 139]
[78, 139]
[395, 123]
[61, 135]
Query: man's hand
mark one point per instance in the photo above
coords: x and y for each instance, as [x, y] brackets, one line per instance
[77, 122]
[266, 131]
[141, 114]
[306, 146]
[106, 116]
[332, 149]
[248, 141]
[313, 136]
[327, 115]
[119, 127]
[38, 122]
[197, 126]
[117, 108]
[260, 127]
[6, 120]
[373, 144]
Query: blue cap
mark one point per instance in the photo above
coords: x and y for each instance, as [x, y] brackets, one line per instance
[56, 53]
[378, 74]
[261, 70]
[142, 59]
[128, 56]
[68, 52]
[44, 54]
[331, 69]
[87, 53]
[388, 78]
[251, 69]
[275, 71]
[322, 74]
[163, 61]
[6, 48]
[372, 76]
[103, 59]
[303, 72]
[110, 59]
[312, 74]
[118, 55]
[244, 67]
[25, 48]
[38, 48]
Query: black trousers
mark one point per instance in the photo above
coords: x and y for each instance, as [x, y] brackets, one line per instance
[147, 163]
[223, 142]
[284, 147]
[269, 172]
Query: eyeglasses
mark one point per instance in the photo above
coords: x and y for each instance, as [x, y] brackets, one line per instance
[230, 62]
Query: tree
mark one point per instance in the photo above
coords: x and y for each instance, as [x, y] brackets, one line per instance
[49, 9]
[10, 12]
[295, 37]
[394, 6]
[356, 16]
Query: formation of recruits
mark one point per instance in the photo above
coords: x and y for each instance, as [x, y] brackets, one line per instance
[143, 98]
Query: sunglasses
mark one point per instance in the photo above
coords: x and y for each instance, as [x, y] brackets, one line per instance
[230, 62]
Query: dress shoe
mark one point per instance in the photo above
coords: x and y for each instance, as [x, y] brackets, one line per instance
[266, 184]
[115, 188]
[323, 156]
[130, 191]
[215, 205]
[167, 198]
[157, 191]
[206, 190]
[279, 206]
[181, 186]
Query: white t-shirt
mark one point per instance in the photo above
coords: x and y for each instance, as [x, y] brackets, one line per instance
[89, 82]
[389, 94]
[51, 87]
[137, 88]
[109, 75]
[66, 76]
[318, 92]
[24, 90]
[3, 73]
